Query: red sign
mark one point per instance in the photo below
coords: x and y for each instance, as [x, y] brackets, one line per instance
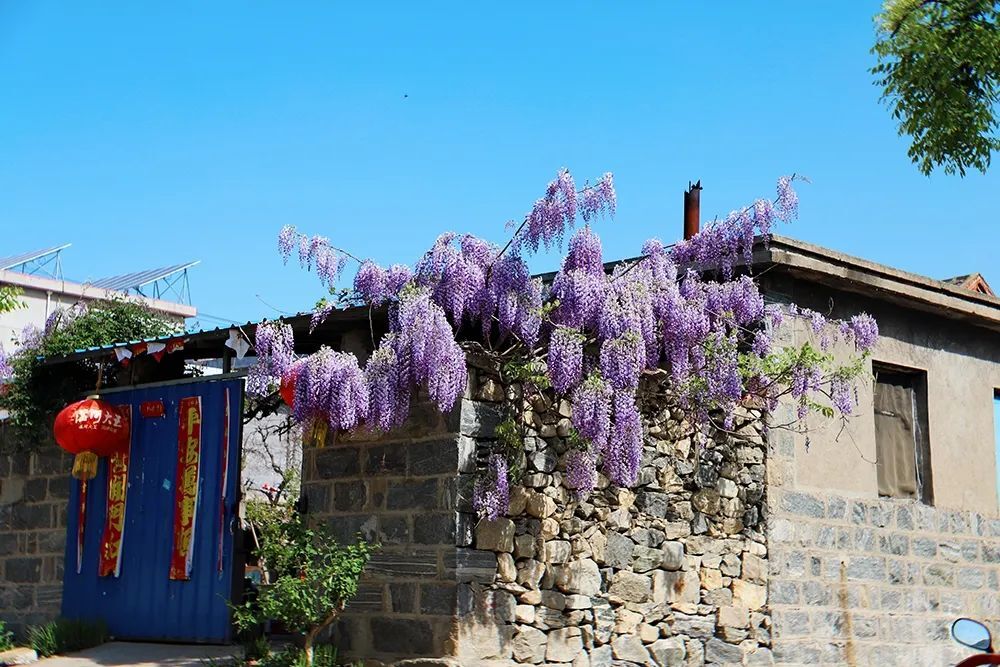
[186, 490]
[114, 523]
[151, 409]
[110, 555]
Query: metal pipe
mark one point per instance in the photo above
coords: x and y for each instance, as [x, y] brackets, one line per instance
[692, 210]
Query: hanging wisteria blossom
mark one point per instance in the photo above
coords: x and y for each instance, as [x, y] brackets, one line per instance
[690, 312]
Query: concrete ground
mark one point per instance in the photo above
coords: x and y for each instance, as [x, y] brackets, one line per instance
[129, 654]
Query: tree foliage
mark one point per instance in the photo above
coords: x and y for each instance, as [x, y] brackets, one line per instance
[34, 392]
[939, 70]
[9, 298]
[311, 576]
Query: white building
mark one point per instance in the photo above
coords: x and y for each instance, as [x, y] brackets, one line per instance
[38, 275]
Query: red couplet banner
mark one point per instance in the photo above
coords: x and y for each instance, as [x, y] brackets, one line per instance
[186, 490]
[110, 556]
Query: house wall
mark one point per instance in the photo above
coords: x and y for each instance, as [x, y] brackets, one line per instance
[34, 493]
[962, 363]
[857, 579]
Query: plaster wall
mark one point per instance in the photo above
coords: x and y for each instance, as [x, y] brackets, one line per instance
[962, 366]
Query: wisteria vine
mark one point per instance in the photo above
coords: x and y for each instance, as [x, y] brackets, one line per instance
[691, 311]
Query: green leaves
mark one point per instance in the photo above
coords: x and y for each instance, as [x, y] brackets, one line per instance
[9, 298]
[939, 70]
[312, 577]
[36, 391]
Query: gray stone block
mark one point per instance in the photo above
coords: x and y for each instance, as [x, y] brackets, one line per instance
[338, 462]
[386, 460]
[434, 457]
[803, 504]
[413, 495]
[479, 420]
[415, 564]
[23, 570]
[350, 496]
[403, 636]
[470, 565]
[438, 599]
[434, 529]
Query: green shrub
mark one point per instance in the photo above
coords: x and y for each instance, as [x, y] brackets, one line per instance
[6, 637]
[311, 577]
[65, 635]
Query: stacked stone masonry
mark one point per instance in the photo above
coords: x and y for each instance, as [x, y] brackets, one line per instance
[34, 491]
[671, 572]
[873, 581]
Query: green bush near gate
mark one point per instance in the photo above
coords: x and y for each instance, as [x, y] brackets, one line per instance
[65, 635]
[311, 578]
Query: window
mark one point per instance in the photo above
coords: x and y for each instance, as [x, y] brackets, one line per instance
[902, 446]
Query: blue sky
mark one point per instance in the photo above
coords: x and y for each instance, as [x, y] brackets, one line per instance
[148, 134]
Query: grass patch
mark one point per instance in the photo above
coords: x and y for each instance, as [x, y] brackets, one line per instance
[65, 635]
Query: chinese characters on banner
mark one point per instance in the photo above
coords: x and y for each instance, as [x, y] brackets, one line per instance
[114, 525]
[186, 490]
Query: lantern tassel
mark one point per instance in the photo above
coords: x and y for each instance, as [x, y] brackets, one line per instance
[85, 466]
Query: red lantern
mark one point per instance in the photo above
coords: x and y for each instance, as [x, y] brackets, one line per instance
[91, 428]
[287, 388]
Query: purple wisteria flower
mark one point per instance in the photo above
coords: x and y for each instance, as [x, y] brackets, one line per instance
[329, 385]
[275, 347]
[491, 492]
[565, 360]
[581, 472]
[865, 331]
[787, 203]
[6, 370]
[591, 415]
[623, 452]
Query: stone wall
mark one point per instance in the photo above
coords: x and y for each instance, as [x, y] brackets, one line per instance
[868, 581]
[399, 490]
[672, 572]
[34, 492]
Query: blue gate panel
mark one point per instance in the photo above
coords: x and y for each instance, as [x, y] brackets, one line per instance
[143, 603]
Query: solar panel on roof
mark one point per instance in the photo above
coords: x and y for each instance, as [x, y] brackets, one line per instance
[17, 260]
[135, 280]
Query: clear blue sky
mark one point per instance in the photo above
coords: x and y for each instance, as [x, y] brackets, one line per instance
[152, 133]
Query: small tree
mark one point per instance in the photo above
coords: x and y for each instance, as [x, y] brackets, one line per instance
[312, 577]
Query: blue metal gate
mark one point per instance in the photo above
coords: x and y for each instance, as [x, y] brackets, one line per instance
[143, 602]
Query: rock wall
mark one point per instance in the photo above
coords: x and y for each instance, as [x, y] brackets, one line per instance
[401, 491]
[869, 581]
[672, 572]
[34, 492]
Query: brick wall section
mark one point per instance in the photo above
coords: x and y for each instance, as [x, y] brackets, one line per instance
[403, 491]
[873, 581]
[34, 493]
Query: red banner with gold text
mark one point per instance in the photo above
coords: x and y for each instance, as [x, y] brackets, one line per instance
[110, 555]
[186, 490]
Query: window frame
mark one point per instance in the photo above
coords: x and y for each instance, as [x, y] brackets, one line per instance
[916, 380]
